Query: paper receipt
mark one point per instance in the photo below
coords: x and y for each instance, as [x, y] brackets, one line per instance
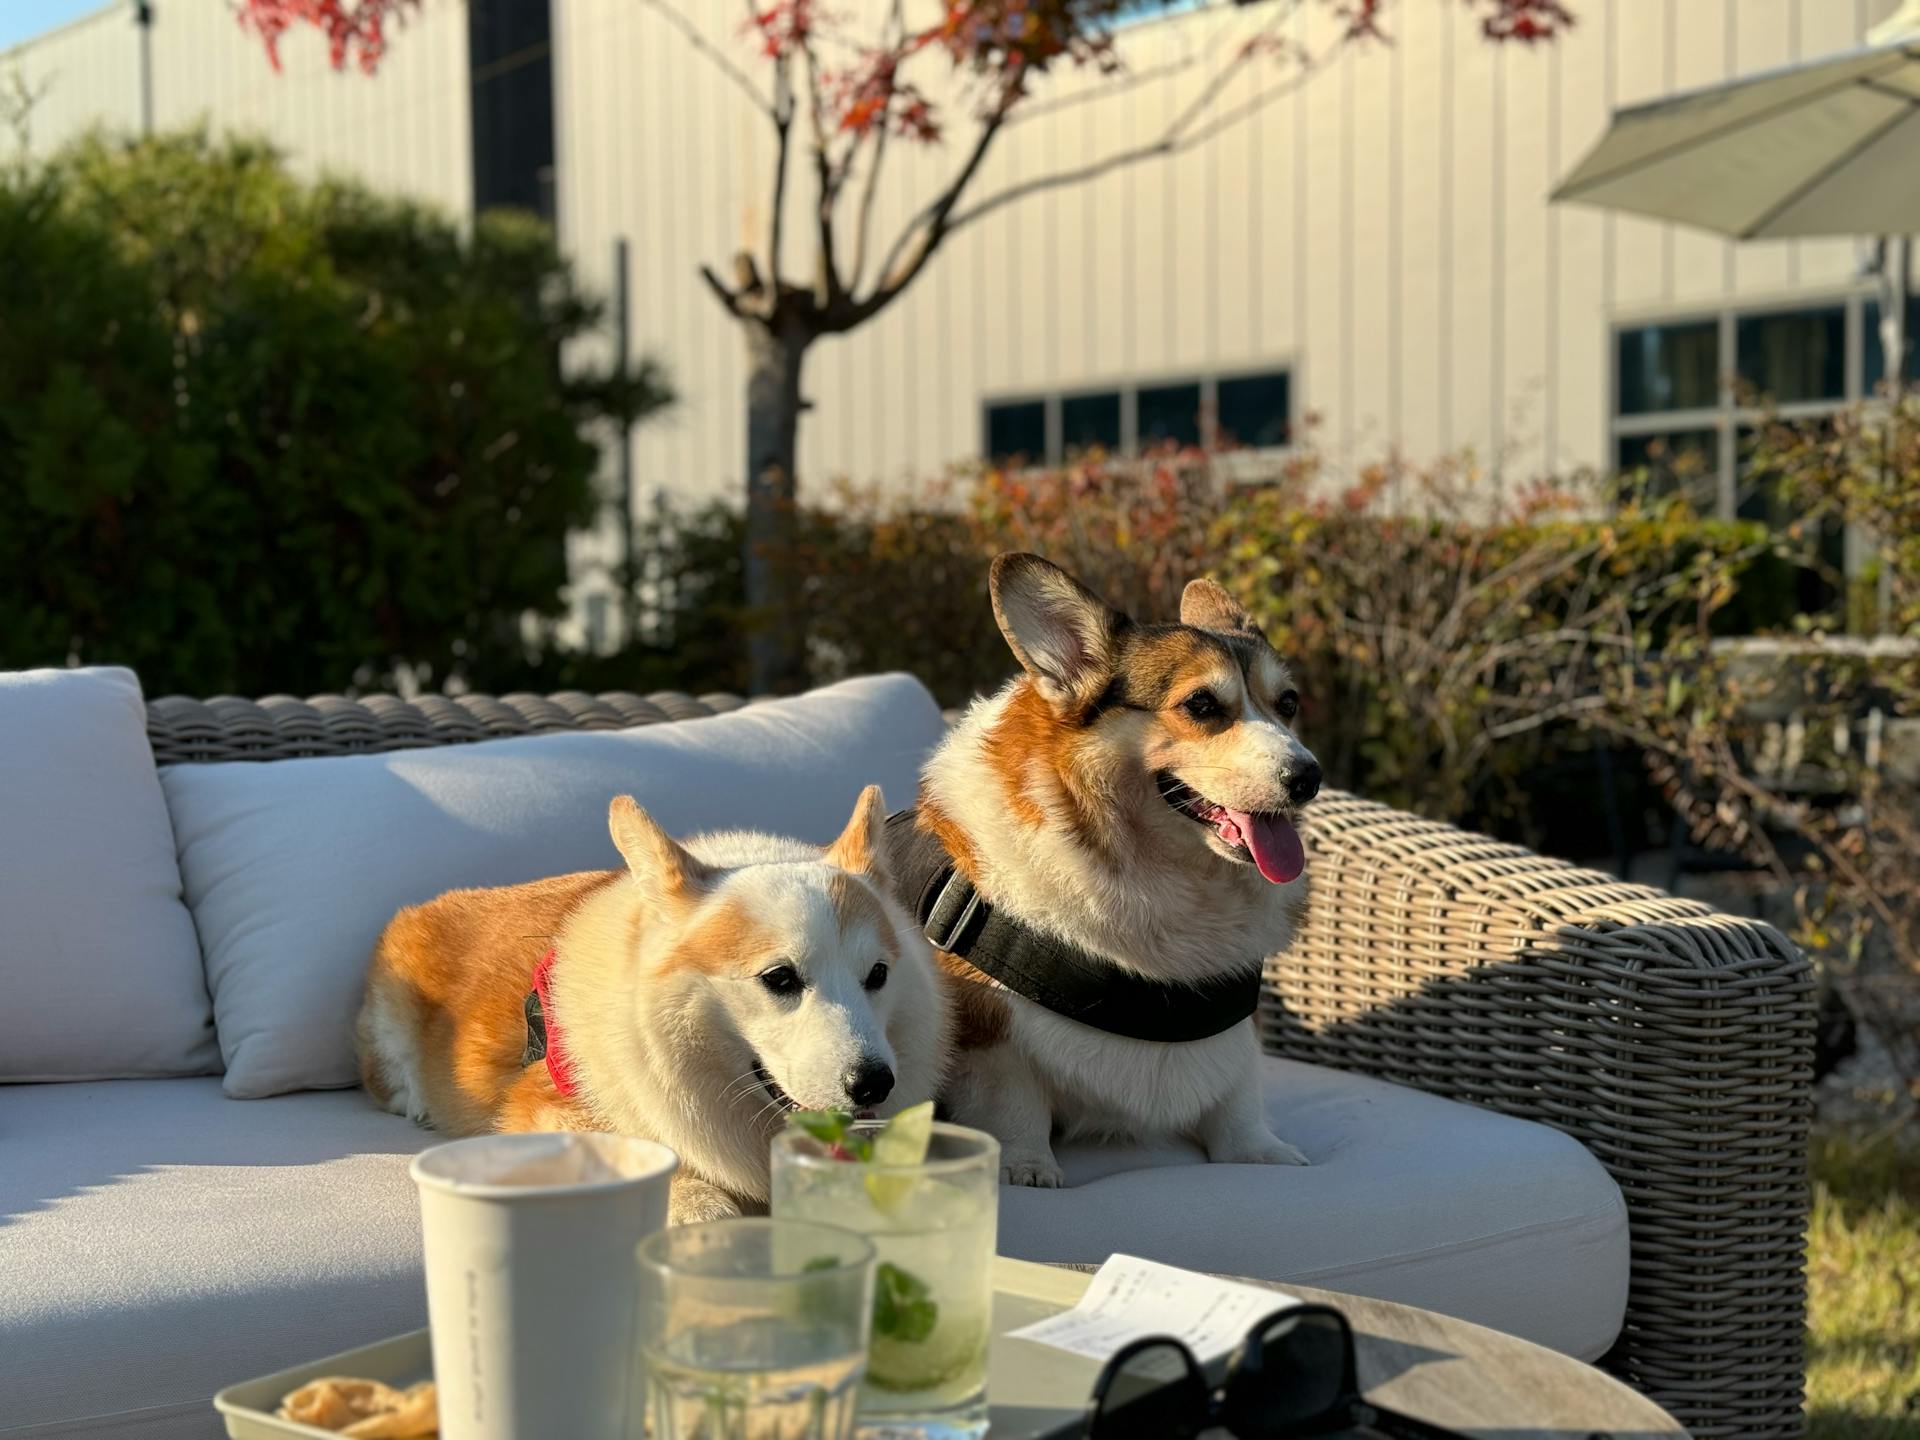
[1130, 1297]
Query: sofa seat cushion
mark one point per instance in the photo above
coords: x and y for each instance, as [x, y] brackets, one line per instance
[1408, 1197]
[161, 1241]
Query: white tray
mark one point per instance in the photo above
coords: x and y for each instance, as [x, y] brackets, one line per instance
[1035, 1392]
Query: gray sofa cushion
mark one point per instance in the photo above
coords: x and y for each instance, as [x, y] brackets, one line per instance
[1409, 1198]
[159, 1241]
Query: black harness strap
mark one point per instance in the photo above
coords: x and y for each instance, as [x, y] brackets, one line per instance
[1069, 981]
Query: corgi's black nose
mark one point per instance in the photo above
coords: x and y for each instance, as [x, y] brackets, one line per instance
[870, 1084]
[1305, 783]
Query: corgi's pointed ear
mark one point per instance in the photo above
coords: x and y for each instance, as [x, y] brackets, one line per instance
[1205, 606]
[1064, 636]
[657, 860]
[862, 846]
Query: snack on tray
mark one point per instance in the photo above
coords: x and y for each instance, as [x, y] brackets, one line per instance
[365, 1409]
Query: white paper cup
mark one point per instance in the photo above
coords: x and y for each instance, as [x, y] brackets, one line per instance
[530, 1279]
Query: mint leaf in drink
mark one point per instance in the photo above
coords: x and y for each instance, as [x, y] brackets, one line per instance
[835, 1130]
[819, 1262]
[903, 1307]
[826, 1126]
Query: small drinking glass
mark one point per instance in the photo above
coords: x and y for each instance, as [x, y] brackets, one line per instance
[753, 1329]
[933, 1228]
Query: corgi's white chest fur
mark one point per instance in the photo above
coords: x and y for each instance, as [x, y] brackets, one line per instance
[1111, 1086]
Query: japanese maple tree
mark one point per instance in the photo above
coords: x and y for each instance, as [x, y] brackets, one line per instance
[843, 81]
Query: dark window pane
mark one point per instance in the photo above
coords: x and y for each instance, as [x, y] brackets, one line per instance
[1684, 462]
[512, 104]
[1800, 355]
[1017, 431]
[1090, 420]
[1253, 410]
[1874, 359]
[1670, 367]
[1170, 412]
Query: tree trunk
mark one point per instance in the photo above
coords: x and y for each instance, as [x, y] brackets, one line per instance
[776, 660]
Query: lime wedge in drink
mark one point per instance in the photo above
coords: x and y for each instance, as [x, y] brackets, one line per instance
[903, 1141]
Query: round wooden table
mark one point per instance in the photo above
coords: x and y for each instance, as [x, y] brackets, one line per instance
[1448, 1372]
[1483, 1383]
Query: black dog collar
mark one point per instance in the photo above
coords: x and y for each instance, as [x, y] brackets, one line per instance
[1069, 981]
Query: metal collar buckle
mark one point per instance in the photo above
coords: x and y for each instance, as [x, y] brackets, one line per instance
[958, 912]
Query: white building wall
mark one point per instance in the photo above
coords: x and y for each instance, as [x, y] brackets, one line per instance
[81, 75]
[1381, 228]
[405, 129]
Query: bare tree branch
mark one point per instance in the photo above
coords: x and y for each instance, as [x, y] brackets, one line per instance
[1174, 140]
[726, 297]
[783, 131]
[706, 48]
[930, 225]
[864, 225]
[897, 24]
[828, 290]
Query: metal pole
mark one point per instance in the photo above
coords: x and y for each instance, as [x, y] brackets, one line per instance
[143, 17]
[623, 345]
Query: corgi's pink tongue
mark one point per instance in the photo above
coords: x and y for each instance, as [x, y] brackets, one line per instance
[1273, 843]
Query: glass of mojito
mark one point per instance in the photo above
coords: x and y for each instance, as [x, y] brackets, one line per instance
[927, 1196]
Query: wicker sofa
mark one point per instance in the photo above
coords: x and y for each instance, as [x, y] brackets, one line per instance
[1672, 1041]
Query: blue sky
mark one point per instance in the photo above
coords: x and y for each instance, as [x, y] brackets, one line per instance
[24, 19]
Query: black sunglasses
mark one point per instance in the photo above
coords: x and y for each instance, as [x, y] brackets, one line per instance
[1294, 1374]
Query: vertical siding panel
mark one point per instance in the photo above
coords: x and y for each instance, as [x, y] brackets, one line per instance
[1581, 363]
[1424, 30]
[1373, 339]
[1323, 261]
[1523, 283]
[1473, 241]
[1107, 259]
[1192, 277]
[1072, 222]
[1278, 257]
[1149, 213]
[1639, 62]
[85, 73]
[1236, 182]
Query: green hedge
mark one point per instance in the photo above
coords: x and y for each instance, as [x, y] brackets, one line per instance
[258, 435]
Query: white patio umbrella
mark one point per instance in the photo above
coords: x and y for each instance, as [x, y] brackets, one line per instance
[1826, 147]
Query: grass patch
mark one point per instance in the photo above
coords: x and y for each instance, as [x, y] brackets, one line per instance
[1863, 1283]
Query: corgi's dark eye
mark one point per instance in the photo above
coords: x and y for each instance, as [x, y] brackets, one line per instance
[876, 977]
[782, 980]
[1288, 705]
[1202, 705]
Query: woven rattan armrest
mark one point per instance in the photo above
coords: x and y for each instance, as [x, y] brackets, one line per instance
[1672, 1041]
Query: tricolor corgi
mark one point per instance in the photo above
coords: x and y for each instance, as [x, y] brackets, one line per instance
[1103, 855]
[693, 998]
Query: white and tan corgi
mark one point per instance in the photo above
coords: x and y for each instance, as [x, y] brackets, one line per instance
[1132, 796]
[693, 998]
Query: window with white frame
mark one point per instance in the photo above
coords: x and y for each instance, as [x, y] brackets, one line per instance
[1241, 409]
[1688, 391]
